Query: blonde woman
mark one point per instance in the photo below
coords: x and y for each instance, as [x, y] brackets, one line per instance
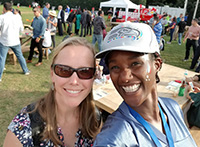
[66, 115]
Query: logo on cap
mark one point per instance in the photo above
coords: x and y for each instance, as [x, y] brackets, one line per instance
[124, 32]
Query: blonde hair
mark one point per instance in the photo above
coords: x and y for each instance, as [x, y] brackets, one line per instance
[90, 125]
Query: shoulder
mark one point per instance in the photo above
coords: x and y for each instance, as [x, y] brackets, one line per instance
[169, 102]
[111, 133]
[20, 126]
[171, 105]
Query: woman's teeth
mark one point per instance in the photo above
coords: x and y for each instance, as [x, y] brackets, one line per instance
[132, 88]
[72, 91]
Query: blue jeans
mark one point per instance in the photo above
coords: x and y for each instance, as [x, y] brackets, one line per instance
[99, 39]
[18, 52]
[180, 37]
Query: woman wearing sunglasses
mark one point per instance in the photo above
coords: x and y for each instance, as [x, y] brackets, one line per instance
[66, 115]
[143, 119]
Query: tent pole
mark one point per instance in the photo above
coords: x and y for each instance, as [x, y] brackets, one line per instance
[185, 7]
[126, 14]
[195, 11]
[114, 10]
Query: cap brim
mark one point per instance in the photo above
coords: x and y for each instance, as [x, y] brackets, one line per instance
[121, 48]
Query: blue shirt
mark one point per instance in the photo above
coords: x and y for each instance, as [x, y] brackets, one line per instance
[121, 129]
[178, 20]
[39, 25]
[67, 10]
[45, 12]
[158, 30]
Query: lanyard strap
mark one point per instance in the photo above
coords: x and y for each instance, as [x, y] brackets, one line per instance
[166, 127]
[141, 120]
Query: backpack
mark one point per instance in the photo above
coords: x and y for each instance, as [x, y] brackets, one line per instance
[37, 124]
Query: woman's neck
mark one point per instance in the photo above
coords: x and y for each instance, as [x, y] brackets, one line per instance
[67, 114]
[149, 109]
[68, 121]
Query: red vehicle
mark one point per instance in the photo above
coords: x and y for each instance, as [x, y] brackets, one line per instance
[145, 15]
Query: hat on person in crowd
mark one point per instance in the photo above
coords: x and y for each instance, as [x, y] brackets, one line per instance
[52, 13]
[128, 36]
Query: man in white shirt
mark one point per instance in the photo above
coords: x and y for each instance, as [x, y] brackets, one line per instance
[10, 27]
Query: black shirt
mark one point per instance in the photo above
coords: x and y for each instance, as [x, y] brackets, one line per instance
[181, 25]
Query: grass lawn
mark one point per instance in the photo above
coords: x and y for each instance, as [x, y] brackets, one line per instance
[18, 90]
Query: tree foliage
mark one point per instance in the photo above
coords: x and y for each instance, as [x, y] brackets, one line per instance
[96, 3]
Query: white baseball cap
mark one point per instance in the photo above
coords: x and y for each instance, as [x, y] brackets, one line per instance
[128, 36]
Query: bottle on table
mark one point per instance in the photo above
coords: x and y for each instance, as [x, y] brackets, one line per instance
[182, 88]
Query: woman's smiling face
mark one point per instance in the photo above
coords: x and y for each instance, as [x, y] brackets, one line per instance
[133, 75]
[71, 91]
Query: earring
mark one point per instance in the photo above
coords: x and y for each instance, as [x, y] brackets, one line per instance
[52, 87]
[147, 78]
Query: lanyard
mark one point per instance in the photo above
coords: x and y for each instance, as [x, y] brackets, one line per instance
[141, 120]
[166, 127]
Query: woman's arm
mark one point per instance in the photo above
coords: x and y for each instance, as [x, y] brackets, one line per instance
[11, 140]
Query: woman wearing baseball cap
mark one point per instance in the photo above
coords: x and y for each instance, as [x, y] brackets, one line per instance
[143, 119]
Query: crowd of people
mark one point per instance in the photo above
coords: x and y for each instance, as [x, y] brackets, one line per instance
[177, 28]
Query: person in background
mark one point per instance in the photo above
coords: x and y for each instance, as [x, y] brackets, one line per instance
[78, 22]
[175, 34]
[51, 25]
[143, 118]
[193, 90]
[18, 12]
[192, 37]
[99, 25]
[60, 18]
[181, 26]
[67, 10]
[152, 19]
[195, 80]
[39, 25]
[110, 13]
[169, 17]
[84, 23]
[89, 23]
[45, 12]
[179, 18]
[67, 114]
[11, 25]
[70, 20]
[93, 14]
[185, 18]
[164, 22]
[171, 28]
[157, 28]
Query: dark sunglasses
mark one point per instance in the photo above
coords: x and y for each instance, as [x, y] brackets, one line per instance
[66, 71]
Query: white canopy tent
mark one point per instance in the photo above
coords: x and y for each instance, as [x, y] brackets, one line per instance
[127, 4]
